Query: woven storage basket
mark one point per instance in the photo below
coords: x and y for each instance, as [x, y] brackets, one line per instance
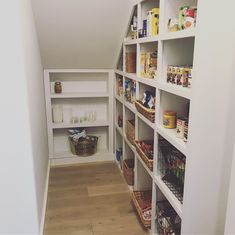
[128, 171]
[147, 161]
[148, 113]
[142, 202]
[84, 146]
[130, 131]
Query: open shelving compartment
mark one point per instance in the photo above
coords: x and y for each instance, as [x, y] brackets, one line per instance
[131, 32]
[130, 127]
[119, 116]
[147, 114]
[180, 105]
[145, 145]
[62, 150]
[171, 11]
[130, 59]
[145, 7]
[178, 55]
[119, 86]
[85, 102]
[128, 164]
[147, 63]
[143, 185]
[130, 92]
[83, 84]
[166, 220]
[118, 148]
[170, 173]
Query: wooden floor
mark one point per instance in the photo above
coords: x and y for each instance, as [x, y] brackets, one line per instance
[90, 200]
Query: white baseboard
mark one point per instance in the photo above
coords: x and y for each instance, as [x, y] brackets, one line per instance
[45, 200]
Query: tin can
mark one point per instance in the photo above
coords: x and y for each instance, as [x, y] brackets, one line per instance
[169, 119]
[179, 75]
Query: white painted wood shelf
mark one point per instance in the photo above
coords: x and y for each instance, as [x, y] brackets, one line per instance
[78, 95]
[173, 48]
[83, 91]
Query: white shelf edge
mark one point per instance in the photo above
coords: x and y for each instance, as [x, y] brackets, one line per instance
[132, 147]
[169, 135]
[120, 130]
[148, 81]
[132, 76]
[78, 70]
[77, 125]
[130, 106]
[120, 99]
[178, 35]
[78, 95]
[141, 40]
[175, 203]
[176, 90]
[144, 165]
[119, 72]
[145, 120]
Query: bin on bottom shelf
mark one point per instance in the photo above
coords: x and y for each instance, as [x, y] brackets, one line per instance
[168, 222]
[128, 171]
[142, 201]
[85, 146]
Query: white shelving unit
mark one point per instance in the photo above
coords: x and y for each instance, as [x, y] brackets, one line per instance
[173, 48]
[82, 91]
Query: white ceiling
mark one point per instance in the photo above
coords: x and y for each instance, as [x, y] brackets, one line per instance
[81, 33]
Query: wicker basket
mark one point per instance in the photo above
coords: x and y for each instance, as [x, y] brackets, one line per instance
[142, 201]
[130, 131]
[84, 146]
[147, 161]
[148, 113]
[128, 171]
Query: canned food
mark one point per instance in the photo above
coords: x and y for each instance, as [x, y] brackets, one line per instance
[169, 119]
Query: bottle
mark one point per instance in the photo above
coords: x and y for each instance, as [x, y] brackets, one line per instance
[58, 87]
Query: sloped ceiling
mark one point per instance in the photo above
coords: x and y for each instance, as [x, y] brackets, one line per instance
[81, 33]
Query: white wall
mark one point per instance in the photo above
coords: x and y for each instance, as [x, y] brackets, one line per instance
[81, 34]
[212, 121]
[23, 148]
[230, 217]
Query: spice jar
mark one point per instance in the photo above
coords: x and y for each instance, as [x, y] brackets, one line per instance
[169, 119]
[58, 87]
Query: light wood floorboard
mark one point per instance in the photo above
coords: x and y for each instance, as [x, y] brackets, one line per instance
[90, 199]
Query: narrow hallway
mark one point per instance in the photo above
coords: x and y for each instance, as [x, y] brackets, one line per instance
[90, 199]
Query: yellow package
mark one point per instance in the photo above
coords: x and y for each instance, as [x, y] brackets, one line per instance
[155, 21]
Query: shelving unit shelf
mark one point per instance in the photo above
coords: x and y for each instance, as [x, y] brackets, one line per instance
[83, 91]
[174, 49]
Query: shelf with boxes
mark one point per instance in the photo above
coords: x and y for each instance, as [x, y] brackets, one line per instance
[79, 101]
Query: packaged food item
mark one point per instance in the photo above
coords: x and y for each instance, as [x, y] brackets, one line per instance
[179, 75]
[181, 127]
[169, 119]
[189, 18]
[155, 21]
[169, 73]
[190, 69]
[143, 64]
[58, 87]
[173, 25]
[182, 14]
